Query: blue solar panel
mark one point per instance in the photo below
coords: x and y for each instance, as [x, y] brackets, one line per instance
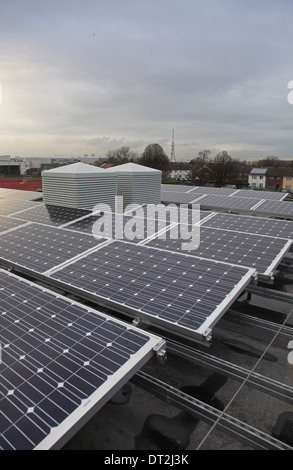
[39, 248]
[182, 293]
[51, 215]
[259, 252]
[61, 361]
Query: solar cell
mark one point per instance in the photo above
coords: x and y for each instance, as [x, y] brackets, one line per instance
[184, 294]
[133, 228]
[24, 195]
[243, 249]
[12, 206]
[61, 361]
[277, 208]
[213, 194]
[178, 197]
[257, 225]
[52, 215]
[256, 194]
[226, 202]
[38, 248]
[5, 191]
[214, 191]
[6, 223]
[180, 188]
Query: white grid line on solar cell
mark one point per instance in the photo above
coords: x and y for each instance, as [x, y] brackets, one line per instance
[242, 249]
[38, 248]
[276, 207]
[267, 195]
[181, 188]
[61, 361]
[210, 190]
[178, 198]
[15, 206]
[197, 199]
[173, 291]
[257, 205]
[113, 225]
[51, 215]
[144, 224]
[4, 191]
[227, 202]
[251, 224]
[7, 224]
[24, 195]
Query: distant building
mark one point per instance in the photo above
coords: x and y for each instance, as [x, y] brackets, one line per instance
[9, 167]
[180, 171]
[280, 179]
[273, 179]
[257, 178]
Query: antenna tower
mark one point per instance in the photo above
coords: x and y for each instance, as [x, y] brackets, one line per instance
[173, 158]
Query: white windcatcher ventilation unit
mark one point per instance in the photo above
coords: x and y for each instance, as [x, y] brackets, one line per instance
[79, 185]
[138, 184]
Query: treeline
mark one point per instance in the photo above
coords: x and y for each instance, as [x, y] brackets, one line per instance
[220, 170]
[153, 156]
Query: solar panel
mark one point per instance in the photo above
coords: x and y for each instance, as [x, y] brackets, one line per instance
[277, 208]
[133, 228]
[6, 224]
[214, 191]
[12, 206]
[5, 191]
[61, 362]
[256, 194]
[23, 195]
[243, 249]
[52, 215]
[180, 188]
[179, 293]
[257, 225]
[226, 202]
[258, 171]
[179, 197]
[216, 196]
[38, 248]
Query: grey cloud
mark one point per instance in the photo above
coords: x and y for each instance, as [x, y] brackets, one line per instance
[107, 72]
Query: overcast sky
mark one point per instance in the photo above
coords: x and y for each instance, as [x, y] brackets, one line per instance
[87, 76]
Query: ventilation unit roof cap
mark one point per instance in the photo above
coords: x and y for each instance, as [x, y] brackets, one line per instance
[75, 170]
[133, 168]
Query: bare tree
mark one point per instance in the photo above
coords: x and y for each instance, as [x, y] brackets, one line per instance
[200, 173]
[270, 161]
[203, 158]
[155, 157]
[223, 166]
[121, 155]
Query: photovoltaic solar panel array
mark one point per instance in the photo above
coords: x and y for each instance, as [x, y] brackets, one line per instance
[183, 294]
[61, 362]
[255, 194]
[264, 203]
[257, 225]
[38, 248]
[243, 249]
[61, 355]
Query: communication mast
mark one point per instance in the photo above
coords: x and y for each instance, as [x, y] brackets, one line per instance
[173, 158]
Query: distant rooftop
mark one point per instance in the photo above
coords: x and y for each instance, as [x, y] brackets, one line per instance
[258, 171]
